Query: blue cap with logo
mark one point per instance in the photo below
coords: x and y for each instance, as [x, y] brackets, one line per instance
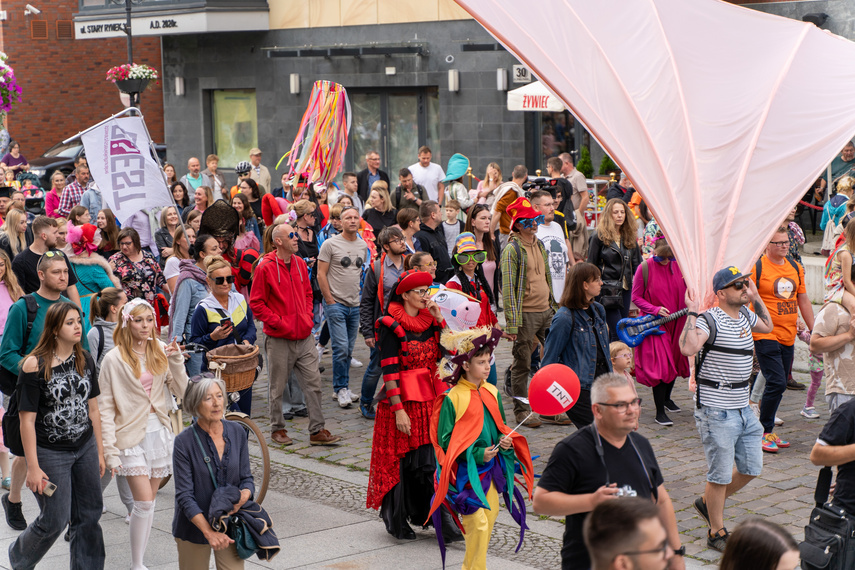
[726, 276]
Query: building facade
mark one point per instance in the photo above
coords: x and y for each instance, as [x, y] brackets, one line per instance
[417, 73]
[63, 80]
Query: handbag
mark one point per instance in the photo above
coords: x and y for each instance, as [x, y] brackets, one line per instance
[12, 427]
[611, 295]
[830, 534]
[236, 527]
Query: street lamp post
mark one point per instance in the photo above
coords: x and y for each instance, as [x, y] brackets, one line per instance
[135, 97]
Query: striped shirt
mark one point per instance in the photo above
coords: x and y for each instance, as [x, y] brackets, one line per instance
[724, 367]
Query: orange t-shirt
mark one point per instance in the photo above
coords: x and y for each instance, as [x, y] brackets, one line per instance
[779, 285]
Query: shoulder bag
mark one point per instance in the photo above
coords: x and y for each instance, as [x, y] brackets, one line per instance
[830, 534]
[236, 529]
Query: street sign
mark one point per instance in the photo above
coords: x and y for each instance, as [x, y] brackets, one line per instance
[521, 74]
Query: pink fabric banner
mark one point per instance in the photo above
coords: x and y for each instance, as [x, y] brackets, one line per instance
[722, 116]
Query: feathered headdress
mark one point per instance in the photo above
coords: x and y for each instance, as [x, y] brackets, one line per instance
[462, 345]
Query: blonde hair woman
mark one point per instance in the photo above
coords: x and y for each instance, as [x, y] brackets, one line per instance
[615, 252]
[380, 213]
[134, 413]
[13, 233]
[483, 194]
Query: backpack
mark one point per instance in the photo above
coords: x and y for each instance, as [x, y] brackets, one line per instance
[9, 378]
[758, 269]
[709, 345]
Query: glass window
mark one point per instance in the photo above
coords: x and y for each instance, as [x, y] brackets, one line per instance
[365, 127]
[235, 123]
[556, 133]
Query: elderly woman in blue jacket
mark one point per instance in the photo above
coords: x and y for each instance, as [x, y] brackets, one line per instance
[579, 336]
[224, 317]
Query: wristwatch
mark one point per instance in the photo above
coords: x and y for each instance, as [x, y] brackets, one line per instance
[680, 551]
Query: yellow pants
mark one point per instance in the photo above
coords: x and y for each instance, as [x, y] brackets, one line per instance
[479, 527]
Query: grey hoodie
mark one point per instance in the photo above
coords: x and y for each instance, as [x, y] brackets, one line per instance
[95, 339]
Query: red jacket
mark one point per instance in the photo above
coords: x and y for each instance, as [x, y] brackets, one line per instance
[281, 298]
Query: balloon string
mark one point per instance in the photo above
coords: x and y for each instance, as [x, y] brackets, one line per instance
[495, 447]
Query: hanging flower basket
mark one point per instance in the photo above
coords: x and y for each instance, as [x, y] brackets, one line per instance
[131, 78]
[10, 90]
[132, 85]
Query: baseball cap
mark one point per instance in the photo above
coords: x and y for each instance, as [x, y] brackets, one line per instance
[254, 151]
[726, 276]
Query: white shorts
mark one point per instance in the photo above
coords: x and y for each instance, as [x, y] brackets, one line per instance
[152, 457]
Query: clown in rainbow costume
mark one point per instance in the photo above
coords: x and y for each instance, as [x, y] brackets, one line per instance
[475, 462]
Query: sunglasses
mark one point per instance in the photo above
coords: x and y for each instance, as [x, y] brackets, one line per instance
[739, 285]
[227, 279]
[420, 292]
[530, 223]
[50, 254]
[477, 257]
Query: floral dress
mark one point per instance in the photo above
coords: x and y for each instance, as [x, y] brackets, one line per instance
[139, 280]
[650, 232]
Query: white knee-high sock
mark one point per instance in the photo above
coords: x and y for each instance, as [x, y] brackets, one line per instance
[141, 520]
[151, 521]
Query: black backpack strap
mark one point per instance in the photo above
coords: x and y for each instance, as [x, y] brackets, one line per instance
[795, 265]
[32, 310]
[100, 329]
[702, 355]
[758, 270]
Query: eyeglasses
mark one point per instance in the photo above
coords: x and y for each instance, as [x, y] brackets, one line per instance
[477, 257]
[662, 551]
[531, 222]
[126, 244]
[622, 407]
[431, 264]
[420, 292]
[780, 243]
[334, 218]
[739, 285]
[396, 240]
[227, 279]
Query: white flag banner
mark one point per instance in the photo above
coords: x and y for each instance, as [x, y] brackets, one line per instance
[121, 164]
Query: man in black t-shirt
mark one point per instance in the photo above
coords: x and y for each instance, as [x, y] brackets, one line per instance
[598, 462]
[834, 446]
[25, 264]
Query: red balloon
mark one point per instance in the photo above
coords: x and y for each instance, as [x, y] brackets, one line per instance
[553, 390]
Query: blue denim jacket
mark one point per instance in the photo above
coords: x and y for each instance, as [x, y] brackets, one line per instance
[571, 341]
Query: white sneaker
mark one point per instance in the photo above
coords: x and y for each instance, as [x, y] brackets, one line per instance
[344, 398]
[353, 397]
[755, 408]
[778, 421]
[355, 364]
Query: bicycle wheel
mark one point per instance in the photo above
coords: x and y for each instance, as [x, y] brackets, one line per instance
[259, 456]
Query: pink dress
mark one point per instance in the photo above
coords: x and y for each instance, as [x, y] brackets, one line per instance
[658, 358]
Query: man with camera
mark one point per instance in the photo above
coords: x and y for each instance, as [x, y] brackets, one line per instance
[604, 462]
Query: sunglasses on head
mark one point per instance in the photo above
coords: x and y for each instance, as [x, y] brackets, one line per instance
[477, 257]
[739, 285]
[227, 279]
[530, 223]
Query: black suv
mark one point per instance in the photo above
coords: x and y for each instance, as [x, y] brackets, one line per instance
[62, 156]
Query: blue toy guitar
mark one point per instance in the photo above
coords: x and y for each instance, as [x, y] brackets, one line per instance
[633, 331]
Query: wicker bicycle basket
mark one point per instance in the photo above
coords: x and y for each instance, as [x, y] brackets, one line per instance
[240, 362]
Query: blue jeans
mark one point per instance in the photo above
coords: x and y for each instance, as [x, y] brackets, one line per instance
[372, 375]
[730, 436]
[775, 360]
[77, 499]
[193, 367]
[343, 322]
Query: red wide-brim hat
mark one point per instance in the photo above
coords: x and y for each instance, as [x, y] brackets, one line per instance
[413, 279]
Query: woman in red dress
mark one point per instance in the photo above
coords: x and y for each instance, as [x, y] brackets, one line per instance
[400, 482]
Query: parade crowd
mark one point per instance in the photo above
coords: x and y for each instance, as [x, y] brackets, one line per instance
[98, 318]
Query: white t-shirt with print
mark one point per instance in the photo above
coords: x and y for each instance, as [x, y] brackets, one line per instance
[552, 238]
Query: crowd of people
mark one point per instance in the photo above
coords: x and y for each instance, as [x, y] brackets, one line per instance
[100, 314]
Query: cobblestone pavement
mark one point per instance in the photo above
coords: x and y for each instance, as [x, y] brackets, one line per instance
[783, 493]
